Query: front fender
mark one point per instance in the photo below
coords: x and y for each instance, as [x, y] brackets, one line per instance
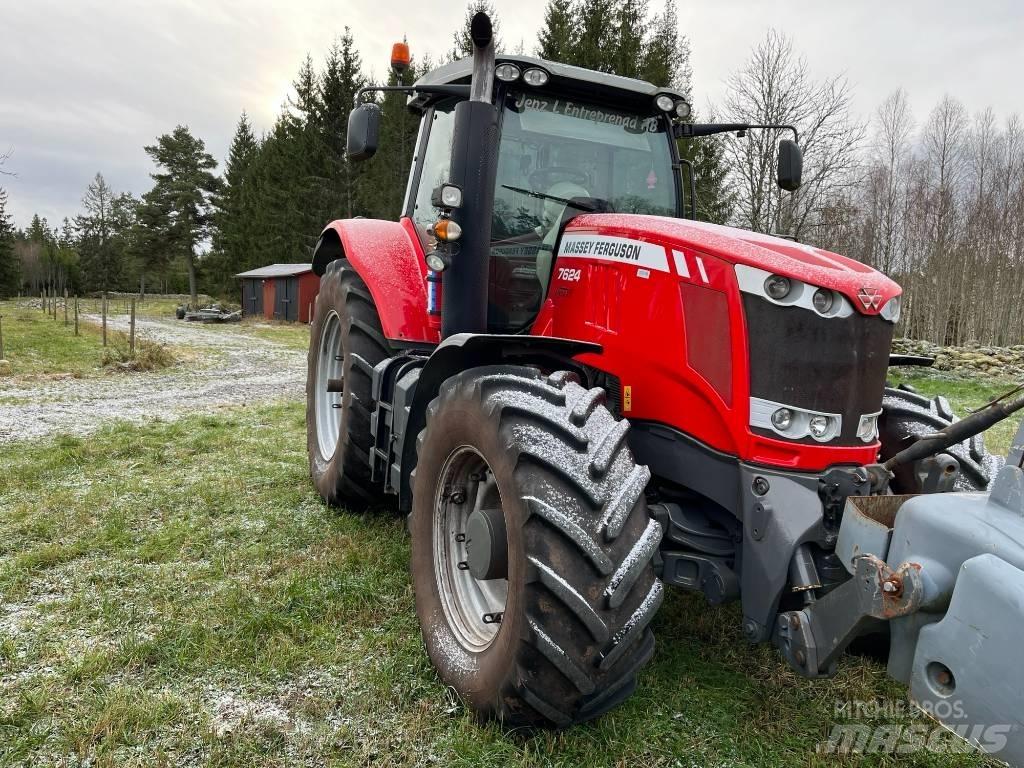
[388, 257]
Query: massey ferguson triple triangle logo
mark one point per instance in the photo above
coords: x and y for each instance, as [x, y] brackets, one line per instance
[871, 298]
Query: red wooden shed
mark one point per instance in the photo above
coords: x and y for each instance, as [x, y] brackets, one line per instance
[280, 291]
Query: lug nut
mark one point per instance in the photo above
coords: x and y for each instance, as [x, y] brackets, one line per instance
[458, 497]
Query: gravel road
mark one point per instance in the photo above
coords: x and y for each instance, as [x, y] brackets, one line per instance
[244, 369]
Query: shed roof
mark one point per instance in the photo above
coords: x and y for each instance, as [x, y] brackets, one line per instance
[278, 270]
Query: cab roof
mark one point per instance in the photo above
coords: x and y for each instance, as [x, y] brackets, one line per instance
[576, 82]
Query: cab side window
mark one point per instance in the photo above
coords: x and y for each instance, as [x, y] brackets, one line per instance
[436, 165]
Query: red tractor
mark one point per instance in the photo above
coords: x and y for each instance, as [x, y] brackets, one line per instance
[581, 394]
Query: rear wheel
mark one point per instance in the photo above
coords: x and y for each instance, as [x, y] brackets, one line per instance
[532, 547]
[905, 416]
[346, 342]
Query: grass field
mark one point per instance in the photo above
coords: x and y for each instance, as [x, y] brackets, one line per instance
[37, 346]
[176, 594]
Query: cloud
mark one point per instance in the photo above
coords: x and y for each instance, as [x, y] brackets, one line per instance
[87, 83]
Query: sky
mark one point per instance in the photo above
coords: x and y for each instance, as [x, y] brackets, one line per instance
[86, 84]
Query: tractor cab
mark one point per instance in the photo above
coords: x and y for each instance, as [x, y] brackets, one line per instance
[570, 141]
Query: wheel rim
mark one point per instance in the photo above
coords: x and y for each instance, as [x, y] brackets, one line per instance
[328, 404]
[466, 485]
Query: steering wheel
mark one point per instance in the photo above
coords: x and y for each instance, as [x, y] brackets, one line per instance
[543, 178]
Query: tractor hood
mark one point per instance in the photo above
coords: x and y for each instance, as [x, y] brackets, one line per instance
[739, 246]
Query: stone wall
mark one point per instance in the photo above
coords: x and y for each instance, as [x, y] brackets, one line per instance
[970, 359]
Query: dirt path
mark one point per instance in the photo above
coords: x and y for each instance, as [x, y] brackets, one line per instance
[238, 369]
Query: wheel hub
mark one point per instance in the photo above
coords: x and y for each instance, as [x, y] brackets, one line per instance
[329, 386]
[487, 544]
[470, 549]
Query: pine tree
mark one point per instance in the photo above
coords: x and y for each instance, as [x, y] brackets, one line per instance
[666, 55]
[597, 43]
[341, 80]
[185, 183]
[10, 268]
[463, 40]
[151, 250]
[101, 265]
[715, 200]
[627, 55]
[383, 187]
[557, 39]
[231, 235]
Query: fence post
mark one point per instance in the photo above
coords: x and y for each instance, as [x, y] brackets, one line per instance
[104, 311]
[131, 330]
[2, 338]
[65, 307]
[76, 314]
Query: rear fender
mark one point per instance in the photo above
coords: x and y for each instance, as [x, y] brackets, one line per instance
[388, 257]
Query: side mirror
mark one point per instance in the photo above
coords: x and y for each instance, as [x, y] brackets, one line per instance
[363, 132]
[791, 165]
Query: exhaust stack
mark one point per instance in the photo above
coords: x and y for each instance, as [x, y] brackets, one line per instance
[473, 168]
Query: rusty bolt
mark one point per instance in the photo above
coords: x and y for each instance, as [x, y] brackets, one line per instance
[801, 657]
[943, 677]
[893, 586]
[794, 621]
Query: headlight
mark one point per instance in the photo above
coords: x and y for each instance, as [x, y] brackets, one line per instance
[778, 287]
[818, 426]
[535, 77]
[823, 300]
[794, 423]
[891, 310]
[782, 418]
[437, 261]
[664, 102]
[507, 72]
[682, 109]
[867, 427]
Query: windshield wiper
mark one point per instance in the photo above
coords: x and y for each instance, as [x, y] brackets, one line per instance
[564, 201]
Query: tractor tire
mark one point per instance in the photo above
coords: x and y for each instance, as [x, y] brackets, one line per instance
[905, 415]
[345, 343]
[568, 629]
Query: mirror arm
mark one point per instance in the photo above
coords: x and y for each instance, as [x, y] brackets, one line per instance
[694, 130]
[796, 136]
[461, 91]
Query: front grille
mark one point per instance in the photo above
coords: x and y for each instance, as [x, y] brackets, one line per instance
[828, 365]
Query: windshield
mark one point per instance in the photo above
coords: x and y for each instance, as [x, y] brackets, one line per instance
[560, 149]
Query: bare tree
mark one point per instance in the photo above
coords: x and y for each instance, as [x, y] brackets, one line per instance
[4, 157]
[774, 86]
[888, 179]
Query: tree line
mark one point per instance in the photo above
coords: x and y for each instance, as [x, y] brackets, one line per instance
[938, 206]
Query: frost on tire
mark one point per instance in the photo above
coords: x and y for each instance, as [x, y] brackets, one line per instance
[346, 315]
[906, 415]
[581, 586]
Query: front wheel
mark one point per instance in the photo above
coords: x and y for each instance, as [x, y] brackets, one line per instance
[532, 547]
